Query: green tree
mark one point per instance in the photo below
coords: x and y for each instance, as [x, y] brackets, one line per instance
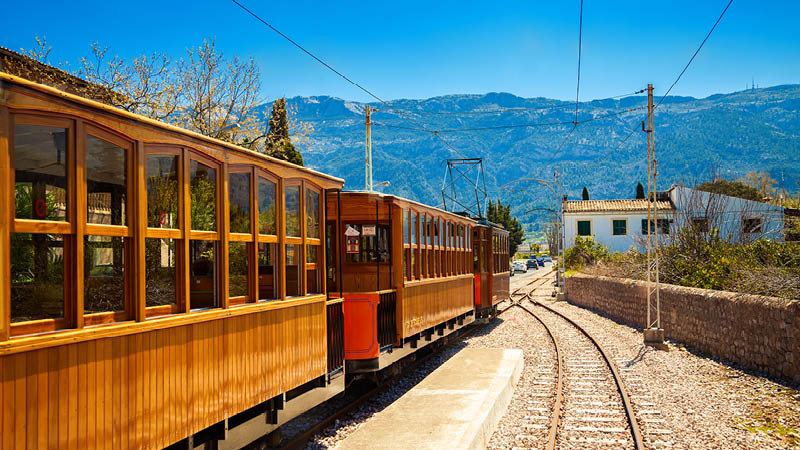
[761, 181]
[585, 193]
[732, 189]
[500, 214]
[639, 190]
[279, 144]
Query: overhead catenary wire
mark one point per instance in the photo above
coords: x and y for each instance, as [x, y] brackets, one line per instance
[578, 87]
[694, 55]
[319, 60]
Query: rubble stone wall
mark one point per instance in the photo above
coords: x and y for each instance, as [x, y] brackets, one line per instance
[759, 333]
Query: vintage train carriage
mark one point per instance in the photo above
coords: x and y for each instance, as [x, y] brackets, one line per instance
[490, 247]
[156, 285]
[404, 271]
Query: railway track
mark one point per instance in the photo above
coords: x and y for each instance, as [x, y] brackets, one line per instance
[581, 389]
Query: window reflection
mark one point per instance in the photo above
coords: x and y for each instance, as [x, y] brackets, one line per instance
[373, 248]
[267, 273]
[202, 274]
[312, 214]
[237, 268]
[294, 274]
[266, 206]
[162, 191]
[160, 271]
[293, 211]
[40, 172]
[239, 187]
[104, 274]
[313, 274]
[37, 276]
[203, 189]
[106, 189]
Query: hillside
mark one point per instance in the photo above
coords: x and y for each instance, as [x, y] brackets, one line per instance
[727, 133]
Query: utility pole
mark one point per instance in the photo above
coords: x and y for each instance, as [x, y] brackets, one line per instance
[368, 149]
[561, 286]
[653, 333]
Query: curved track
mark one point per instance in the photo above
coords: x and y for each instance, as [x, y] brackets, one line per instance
[589, 405]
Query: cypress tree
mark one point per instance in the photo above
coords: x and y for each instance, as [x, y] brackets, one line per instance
[639, 191]
[279, 144]
[585, 193]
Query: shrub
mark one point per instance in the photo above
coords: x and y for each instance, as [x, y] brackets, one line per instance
[584, 251]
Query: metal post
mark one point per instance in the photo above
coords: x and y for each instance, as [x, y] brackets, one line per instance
[653, 333]
[368, 150]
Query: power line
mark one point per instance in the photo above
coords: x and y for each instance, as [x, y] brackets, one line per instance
[695, 54]
[367, 91]
[507, 127]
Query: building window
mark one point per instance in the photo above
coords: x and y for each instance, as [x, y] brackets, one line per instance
[620, 227]
[663, 226]
[40, 172]
[752, 225]
[584, 228]
[700, 224]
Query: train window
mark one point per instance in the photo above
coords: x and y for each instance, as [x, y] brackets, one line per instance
[160, 272]
[37, 276]
[405, 227]
[203, 191]
[267, 272]
[203, 274]
[313, 272]
[104, 274]
[294, 276]
[266, 206]
[292, 207]
[239, 202]
[372, 248]
[40, 172]
[413, 228]
[312, 214]
[238, 268]
[162, 191]
[106, 187]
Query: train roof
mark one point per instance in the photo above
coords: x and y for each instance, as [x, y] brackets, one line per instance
[409, 203]
[13, 79]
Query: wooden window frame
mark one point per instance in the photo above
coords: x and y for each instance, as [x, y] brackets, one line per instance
[73, 312]
[313, 242]
[249, 239]
[177, 234]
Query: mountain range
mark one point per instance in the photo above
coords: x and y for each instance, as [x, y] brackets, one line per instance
[723, 134]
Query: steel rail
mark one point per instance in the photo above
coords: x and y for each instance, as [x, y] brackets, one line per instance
[635, 432]
[543, 279]
[551, 437]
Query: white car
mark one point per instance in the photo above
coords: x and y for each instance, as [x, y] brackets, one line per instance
[519, 266]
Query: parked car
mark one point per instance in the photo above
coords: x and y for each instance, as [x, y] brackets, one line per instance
[531, 264]
[547, 258]
[519, 266]
[540, 261]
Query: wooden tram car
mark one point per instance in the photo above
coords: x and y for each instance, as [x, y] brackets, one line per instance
[491, 264]
[162, 288]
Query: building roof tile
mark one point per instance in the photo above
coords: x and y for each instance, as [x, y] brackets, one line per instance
[639, 204]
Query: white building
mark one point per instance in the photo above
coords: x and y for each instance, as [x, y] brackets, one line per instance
[622, 224]
[617, 224]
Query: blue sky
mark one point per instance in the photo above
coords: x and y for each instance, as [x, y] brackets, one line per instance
[425, 49]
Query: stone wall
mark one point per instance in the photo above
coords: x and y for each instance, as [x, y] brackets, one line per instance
[759, 333]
